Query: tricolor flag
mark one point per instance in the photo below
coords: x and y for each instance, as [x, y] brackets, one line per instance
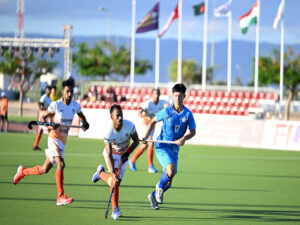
[279, 14]
[150, 21]
[199, 9]
[249, 18]
[172, 17]
[223, 10]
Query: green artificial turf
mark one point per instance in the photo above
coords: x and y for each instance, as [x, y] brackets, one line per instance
[214, 185]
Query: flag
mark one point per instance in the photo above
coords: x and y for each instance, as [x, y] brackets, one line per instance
[172, 17]
[279, 15]
[223, 10]
[150, 21]
[199, 9]
[249, 18]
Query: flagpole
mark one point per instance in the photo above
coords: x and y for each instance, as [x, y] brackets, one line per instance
[132, 61]
[157, 53]
[212, 49]
[257, 49]
[281, 58]
[157, 48]
[204, 46]
[179, 57]
[229, 53]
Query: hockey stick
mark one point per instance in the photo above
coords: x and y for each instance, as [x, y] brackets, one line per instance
[50, 124]
[160, 141]
[112, 191]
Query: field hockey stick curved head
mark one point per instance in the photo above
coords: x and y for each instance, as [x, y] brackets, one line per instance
[31, 123]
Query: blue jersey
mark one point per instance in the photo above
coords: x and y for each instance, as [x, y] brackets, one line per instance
[175, 124]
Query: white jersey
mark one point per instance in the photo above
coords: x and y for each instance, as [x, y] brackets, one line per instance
[119, 140]
[46, 100]
[152, 108]
[63, 114]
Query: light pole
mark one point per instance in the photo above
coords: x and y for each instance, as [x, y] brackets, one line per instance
[102, 9]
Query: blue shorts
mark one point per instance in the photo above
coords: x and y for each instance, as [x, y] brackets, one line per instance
[167, 154]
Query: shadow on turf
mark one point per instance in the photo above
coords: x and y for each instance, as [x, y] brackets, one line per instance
[202, 173]
[141, 186]
[235, 214]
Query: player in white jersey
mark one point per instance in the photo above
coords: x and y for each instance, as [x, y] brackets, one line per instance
[63, 112]
[117, 148]
[43, 104]
[147, 111]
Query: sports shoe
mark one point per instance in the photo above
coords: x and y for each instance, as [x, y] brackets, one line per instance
[159, 194]
[64, 200]
[19, 175]
[37, 148]
[96, 175]
[152, 169]
[116, 213]
[132, 165]
[153, 202]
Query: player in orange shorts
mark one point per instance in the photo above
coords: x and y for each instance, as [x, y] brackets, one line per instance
[63, 112]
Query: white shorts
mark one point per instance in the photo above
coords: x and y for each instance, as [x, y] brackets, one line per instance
[117, 161]
[51, 152]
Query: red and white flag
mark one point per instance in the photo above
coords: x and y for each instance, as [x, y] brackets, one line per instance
[279, 15]
[172, 17]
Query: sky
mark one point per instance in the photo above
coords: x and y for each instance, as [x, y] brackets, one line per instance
[49, 17]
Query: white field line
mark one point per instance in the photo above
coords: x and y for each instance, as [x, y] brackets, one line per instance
[189, 157]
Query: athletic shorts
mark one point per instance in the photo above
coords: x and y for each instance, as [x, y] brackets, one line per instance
[3, 117]
[167, 154]
[51, 152]
[117, 161]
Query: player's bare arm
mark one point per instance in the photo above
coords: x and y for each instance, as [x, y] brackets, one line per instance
[85, 124]
[188, 136]
[135, 139]
[41, 106]
[150, 128]
[143, 114]
[46, 114]
[131, 148]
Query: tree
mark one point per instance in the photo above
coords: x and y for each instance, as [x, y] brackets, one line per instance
[104, 59]
[92, 61]
[269, 73]
[191, 72]
[24, 70]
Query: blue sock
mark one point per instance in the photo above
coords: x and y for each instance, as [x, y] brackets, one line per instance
[167, 187]
[163, 180]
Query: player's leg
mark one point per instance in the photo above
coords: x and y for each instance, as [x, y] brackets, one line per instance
[62, 198]
[38, 134]
[36, 170]
[115, 198]
[136, 155]
[6, 123]
[168, 160]
[151, 168]
[1, 122]
[37, 139]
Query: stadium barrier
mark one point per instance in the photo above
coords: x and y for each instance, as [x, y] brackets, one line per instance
[223, 130]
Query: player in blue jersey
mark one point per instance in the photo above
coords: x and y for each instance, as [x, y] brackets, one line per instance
[176, 120]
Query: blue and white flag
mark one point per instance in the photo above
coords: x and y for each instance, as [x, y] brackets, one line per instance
[223, 10]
